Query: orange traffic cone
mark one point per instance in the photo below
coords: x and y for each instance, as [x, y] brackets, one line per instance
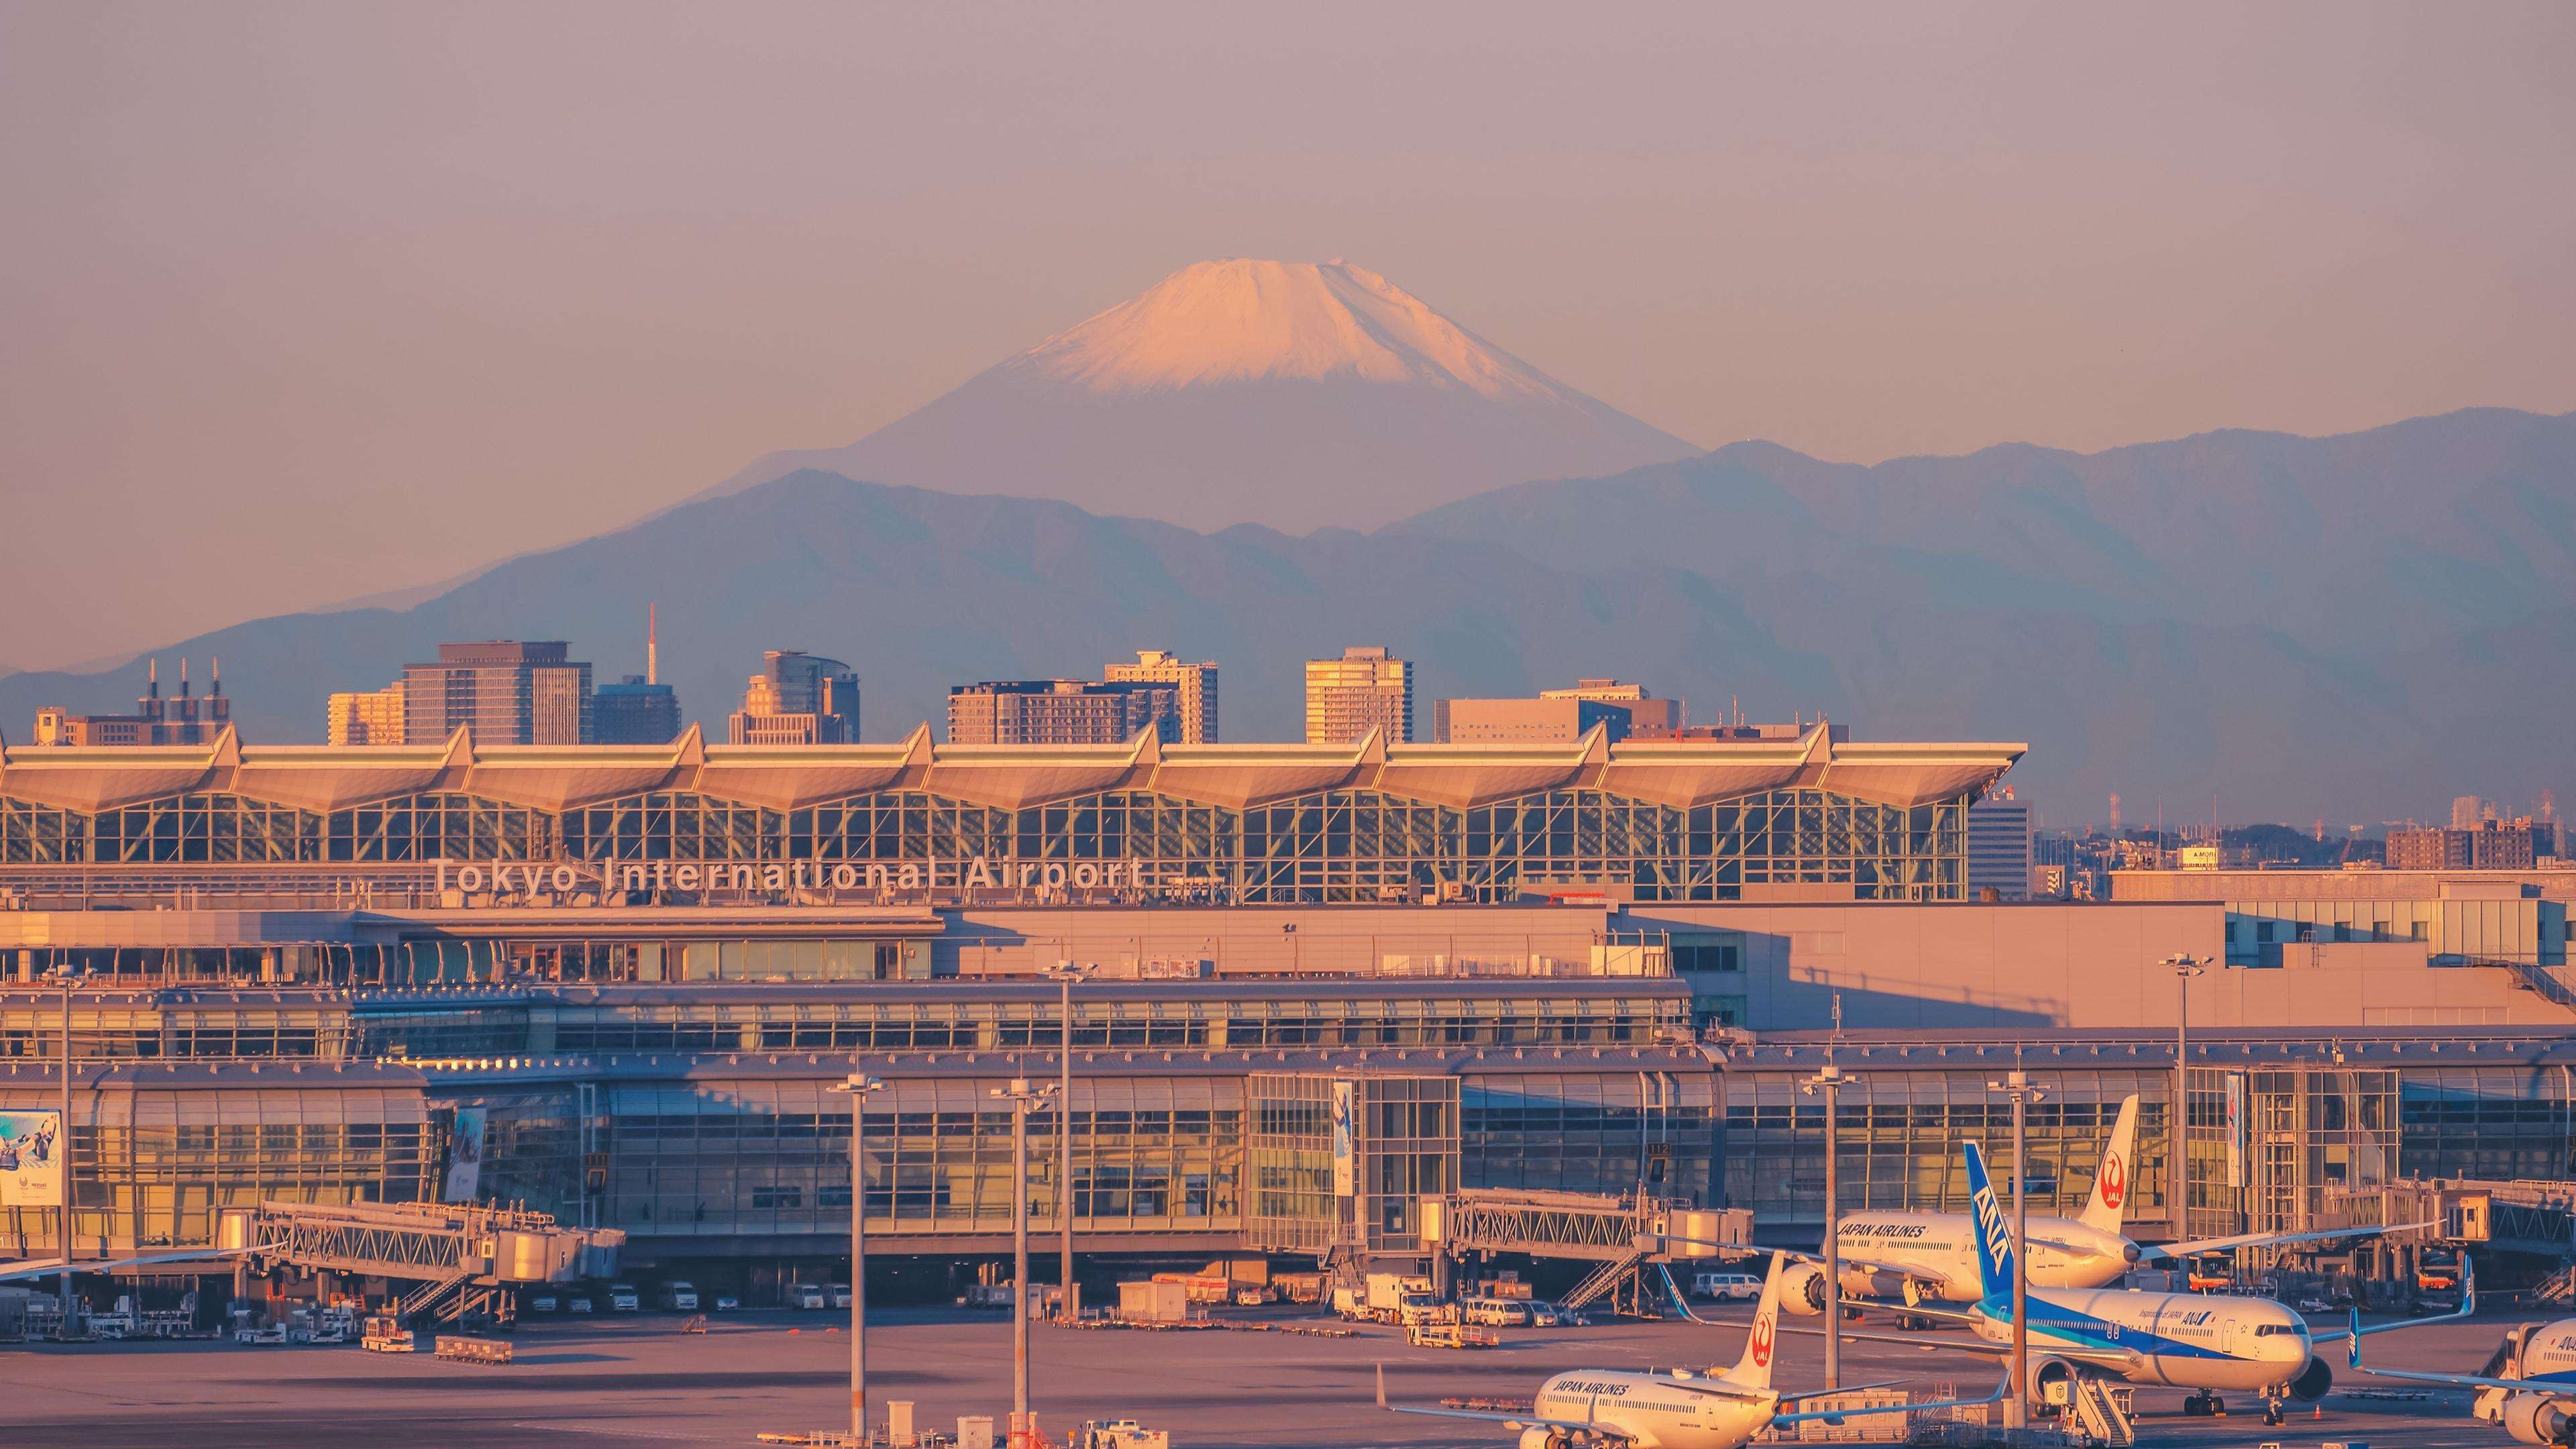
[2320, 1411]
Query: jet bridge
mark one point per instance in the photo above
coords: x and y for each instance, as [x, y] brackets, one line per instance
[461, 1258]
[1621, 1234]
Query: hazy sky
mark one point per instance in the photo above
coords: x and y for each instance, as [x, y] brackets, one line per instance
[309, 302]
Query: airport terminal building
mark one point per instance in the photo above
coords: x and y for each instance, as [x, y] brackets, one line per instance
[1328, 985]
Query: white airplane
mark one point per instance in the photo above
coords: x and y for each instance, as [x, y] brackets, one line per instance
[1930, 1257]
[1677, 1410]
[2537, 1405]
[52, 1266]
[2210, 1344]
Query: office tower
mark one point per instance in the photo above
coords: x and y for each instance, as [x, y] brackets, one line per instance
[1541, 721]
[1367, 688]
[639, 709]
[510, 692]
[183, 720]
[635, 711]
[1195, 683]
[1999, 847]
[797, 699]
[366, 717]
[1646, 714]
[1060, 712]
[1556, 716]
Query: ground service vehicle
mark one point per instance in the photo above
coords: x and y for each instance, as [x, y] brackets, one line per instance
[622, 1298]
[1494, 1312]
[804, 1295]
[678, 1297]
[577, 1303]
[545, 1303]
[840, 1295]
[728, 1302]
[1727, 1287]
[1623, 1409]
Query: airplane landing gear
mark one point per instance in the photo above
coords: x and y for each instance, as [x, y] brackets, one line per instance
[2272, 1411]
[2204, 1405]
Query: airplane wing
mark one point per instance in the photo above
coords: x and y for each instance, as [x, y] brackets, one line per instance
[108, 1265]
[1845, 1389]
[1836, 1416]
[2356, 1333]
[1908, 1340]
[2197, 1246]
[1516, 1421]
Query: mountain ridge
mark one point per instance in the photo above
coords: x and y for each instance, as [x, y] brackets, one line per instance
[1753, 572]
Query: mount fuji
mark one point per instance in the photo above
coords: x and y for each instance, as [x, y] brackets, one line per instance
[1291, 394]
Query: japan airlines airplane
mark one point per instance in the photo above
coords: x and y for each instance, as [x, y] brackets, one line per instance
[2537, 1405]
[1929, 1257]
[1677, 1410]
[2209, 1344]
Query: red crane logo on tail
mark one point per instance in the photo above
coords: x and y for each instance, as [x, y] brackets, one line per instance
[2115, 1180]
[1762, 1341]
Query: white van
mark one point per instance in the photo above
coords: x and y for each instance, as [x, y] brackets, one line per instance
[1727, 1287]
[805, 1295]
[1495, 1312]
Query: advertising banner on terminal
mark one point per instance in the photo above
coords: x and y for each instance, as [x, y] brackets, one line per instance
[1346, 1175]
[31, 1159]
[465, 1157]
[2235, 1129]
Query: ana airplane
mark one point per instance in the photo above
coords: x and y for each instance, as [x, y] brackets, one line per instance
[2209, 1344]
[1929, 1257]
[1677, 1410]
[2536, 1402]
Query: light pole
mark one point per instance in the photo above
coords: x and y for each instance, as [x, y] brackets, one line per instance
[859, 1086]
[1828, 1084]
[1066, 973]
[2184, 967]
[2018, 1087]
[1024, 1098]
[67, 976]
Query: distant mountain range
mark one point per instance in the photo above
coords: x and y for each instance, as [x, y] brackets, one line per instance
[2279, 627]
[1294, 395]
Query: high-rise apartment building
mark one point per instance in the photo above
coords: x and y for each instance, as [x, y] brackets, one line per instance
[1060, 712]
[1367, 688]
[2487, 845]
[184, 720]
[1195, 686]
[510, 692]
[797, 699]
[1999, 847]
[366, 717]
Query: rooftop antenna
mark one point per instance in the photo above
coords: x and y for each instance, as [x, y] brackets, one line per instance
[652, 644]
[183, 676]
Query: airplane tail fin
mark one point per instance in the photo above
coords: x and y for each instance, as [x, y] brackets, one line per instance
[1753, 1371]
[1993, 1235]
[2109, 1206]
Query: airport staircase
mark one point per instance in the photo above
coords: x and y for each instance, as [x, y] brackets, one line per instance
[2101, 1411]
[2560, 1287]
[1617, 1276]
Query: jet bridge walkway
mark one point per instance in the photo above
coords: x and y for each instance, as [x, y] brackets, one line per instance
[1618, 1233]
[460, 1258]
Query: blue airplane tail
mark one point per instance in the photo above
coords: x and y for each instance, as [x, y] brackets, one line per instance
[1993, 1235]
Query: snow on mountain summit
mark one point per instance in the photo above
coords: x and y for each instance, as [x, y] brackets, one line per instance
[1243, 320]
[1298, 395]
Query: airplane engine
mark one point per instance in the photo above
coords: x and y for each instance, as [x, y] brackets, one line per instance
[1802, 1290]
[2313, 1381]
[2540, 1419]
[2058, 1374]
[1542, 1439]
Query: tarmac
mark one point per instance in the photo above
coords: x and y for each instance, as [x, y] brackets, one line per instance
[632, 1380]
